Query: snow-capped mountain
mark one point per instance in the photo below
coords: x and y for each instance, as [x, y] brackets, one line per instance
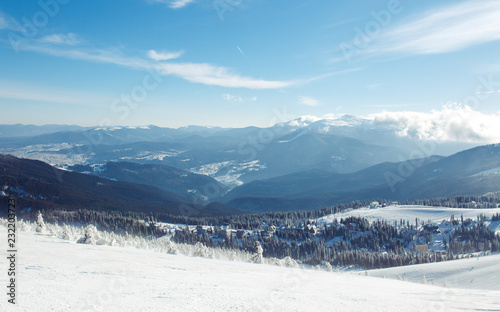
[233, 156]
[329, 120]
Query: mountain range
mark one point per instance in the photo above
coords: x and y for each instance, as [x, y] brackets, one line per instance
[233, 156]
[302, 164]
[182, 183]
[472, 172]
[37, 185]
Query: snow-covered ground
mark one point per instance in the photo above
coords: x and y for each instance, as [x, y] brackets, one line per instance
[475, 272]
[58, 275]
[487, 172]
[53, 154]
[423, 213]
[158, 155]
[229, 172]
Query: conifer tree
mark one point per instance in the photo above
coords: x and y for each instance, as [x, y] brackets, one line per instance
[40, 225]
[257, 256]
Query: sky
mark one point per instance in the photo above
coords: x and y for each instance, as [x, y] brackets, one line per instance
[236, 63]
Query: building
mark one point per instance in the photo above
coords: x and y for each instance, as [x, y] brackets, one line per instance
[422, 248]
[241, 234]
[374, 205]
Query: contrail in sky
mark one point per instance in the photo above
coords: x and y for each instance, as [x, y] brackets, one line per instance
[243, 53]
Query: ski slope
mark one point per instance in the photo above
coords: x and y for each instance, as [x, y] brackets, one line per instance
[57, 275]
[472, 273]
[410, 212]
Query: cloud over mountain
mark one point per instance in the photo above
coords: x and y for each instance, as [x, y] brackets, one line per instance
[453, 122]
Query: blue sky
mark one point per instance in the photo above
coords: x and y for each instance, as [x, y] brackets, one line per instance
[236, 63]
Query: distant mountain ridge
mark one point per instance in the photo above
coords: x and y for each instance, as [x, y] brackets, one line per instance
[185, 184]
[19, 130]
[472, 172]
[38, 185]
[161, 188]
[232, 156]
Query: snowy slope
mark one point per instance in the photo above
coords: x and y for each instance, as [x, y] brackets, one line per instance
[57, 275]
[475, 272]
[423, 213]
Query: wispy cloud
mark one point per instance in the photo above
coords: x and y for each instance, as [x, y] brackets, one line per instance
[174, 4]
[452, 123]
[109, 56]
[9, 23]
[489, 92]
[164, 55]
[177, 4]
[232, 98]
[61, 39]
[203, 73]
[3, 23]
[309, 101]
[447, 29]
[218, 76]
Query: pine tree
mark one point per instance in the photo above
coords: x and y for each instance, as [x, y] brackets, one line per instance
[90, 236]
[40, 225]
[257, 256]
[65, 233]
[201, 250]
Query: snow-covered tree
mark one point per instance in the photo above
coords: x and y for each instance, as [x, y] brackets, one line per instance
[289, 262]
[90, 236]
[257, 256]
[40, 225]
[66, 233]
[424, 280]
[328, 267]
[201, 250]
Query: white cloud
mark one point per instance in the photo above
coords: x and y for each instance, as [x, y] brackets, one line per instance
[9, 23]
[489, 92]
[174, 4]
[109, 56]
[177, 4]
[452, 123]
[164, 55]
[3, 23]
[218, 76]
[61, 39]
[232, 98]
[203, 73]
[309, 101]
[303, 121]
[447, 29]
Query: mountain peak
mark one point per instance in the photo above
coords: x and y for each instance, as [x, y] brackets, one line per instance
[328, 120]
[302, 121]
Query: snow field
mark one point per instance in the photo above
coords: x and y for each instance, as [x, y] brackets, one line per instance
[410, 212]
[470, 273]
[59, 275]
